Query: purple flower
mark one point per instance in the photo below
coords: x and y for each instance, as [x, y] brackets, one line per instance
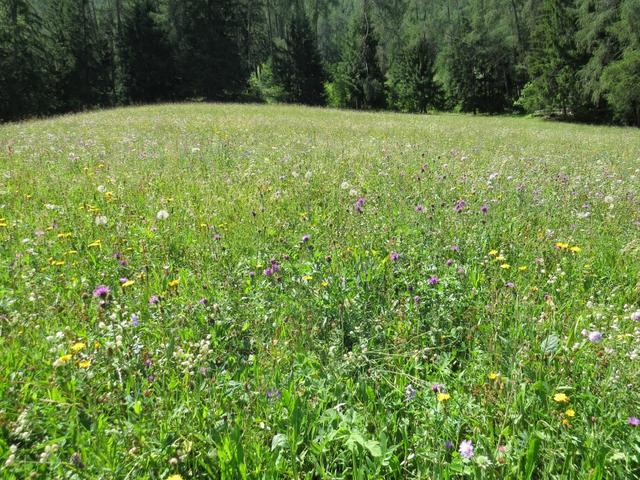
[267, 272]
[217, 236]
[394, 256]
[410, 393]
[433, 280]
[449, 262]
[124, 279]
[153, 299]
[448, 445]
[203, 301]
[635, 316]
[419, 208]
[466, 449]
[101, 291]
[437, 388]
[359, 205]
[305, 238]
[460, 204]
[455, 248]
[509, 285]
[135, 321]
[633, 421]
[274, 394]
[595, 337]
[484, 208]
[416, 299]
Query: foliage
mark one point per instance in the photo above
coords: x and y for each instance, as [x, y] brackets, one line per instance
[219, 291]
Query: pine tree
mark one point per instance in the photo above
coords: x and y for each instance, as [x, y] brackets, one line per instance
[147, 56]
[297, 66]
[411, 83]
[359, 81]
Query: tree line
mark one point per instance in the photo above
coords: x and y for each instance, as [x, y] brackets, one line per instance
[575, 59]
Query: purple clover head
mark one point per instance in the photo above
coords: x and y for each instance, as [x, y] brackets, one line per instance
[419, 208]
[509, 285]
[305, 238]
[101, 291]
[437, 388]
[394, 256]
[633, 421]
[595, 337]
[484, 208]
[154, 299]
[466, 449]
[433, 280]
[460, 204]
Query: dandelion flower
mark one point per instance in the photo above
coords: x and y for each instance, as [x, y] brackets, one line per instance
[175, 477]
[575, 249]
[493, 253]
[443, 397]
[570, 412]
[493, 376]
[162, 215]
[561, 398]
[76, 347]
[84, 363]
[505, 266]
[522, 268]
[62, 360]
[174, 283]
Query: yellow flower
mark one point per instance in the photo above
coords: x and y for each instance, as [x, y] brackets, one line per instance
[203, 225]
[71, 252]
[505, 266]
[325, 283]
[493, 376]
[64, 235]
[84, 364]
[562, 245]
[174, 283]
[56, 263]
[96, 244]
[575, 249]
[570, 412]
[500, 258]
[307, 278]
[565, 422]
[62, 360]
[96, 345]
[561, 398]
[3, 222]
[522, 268]
[443, 397]
[493, 252]
[128, 283]
[76, 347]
[175, 477]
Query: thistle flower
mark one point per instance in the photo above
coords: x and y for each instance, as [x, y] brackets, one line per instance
[101, 291]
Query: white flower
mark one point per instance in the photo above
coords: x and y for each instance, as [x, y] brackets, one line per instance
[608, 199]
[308, 174]
[102, 188]
[101, 220]
[162, 215]
[344, 185]
[635, 316]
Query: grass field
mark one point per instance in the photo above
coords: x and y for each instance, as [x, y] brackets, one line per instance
[227, 291]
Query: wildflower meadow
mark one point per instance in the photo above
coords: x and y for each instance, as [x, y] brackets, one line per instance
[259, 292]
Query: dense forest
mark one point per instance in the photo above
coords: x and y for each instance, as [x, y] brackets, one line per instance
[575, 59]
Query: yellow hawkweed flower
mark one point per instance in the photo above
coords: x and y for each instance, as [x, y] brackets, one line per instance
[443, 397]
[561, 398]
[493, 253]
[175, 477]
[325, 283]
[76, 347]
[575, 249]
[62, 360]
[174, 283]
[307, 278]
[570, 412]
[522, 268]
[84, 363]
[505, 266]
[493, 376]
[562, 245]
